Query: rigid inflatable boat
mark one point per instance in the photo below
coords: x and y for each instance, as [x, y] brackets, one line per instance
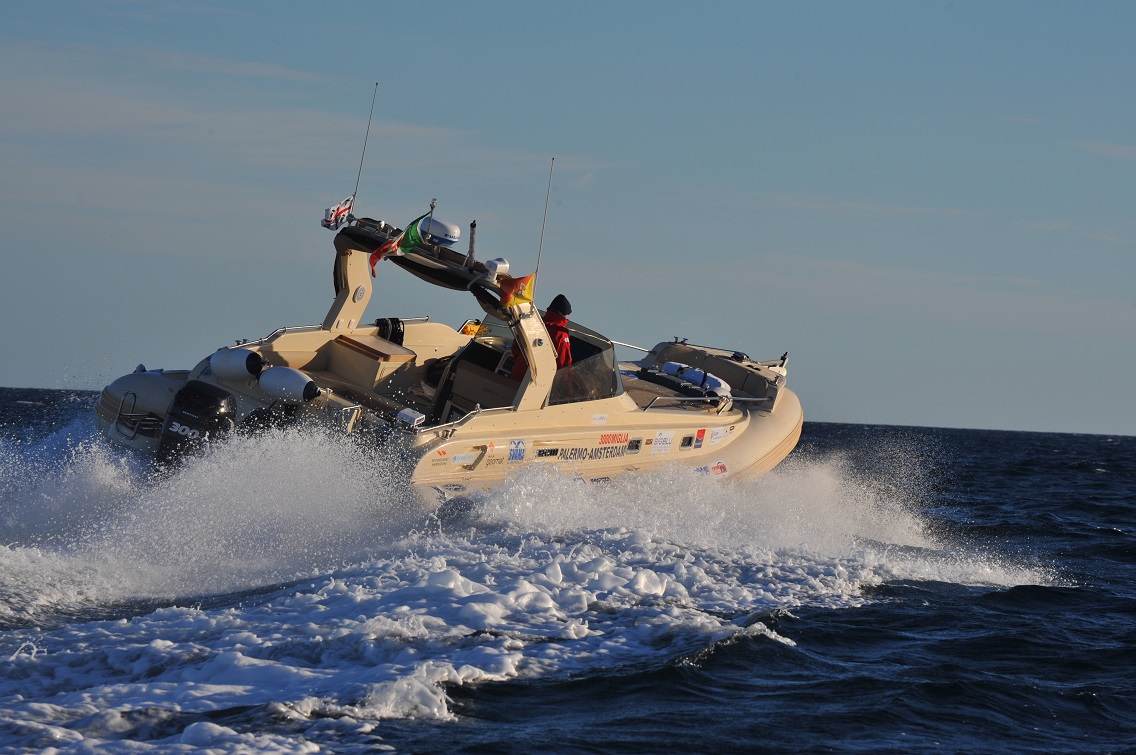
[446, 393]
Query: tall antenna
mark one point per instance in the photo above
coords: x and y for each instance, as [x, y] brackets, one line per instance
[540, 246]
[359, 175]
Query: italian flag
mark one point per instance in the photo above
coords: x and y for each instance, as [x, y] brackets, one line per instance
[408, 239]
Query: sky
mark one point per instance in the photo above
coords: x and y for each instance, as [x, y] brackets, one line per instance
[928, 205]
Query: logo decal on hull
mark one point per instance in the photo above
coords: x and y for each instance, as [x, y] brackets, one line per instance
[591, 454]
[663, 441]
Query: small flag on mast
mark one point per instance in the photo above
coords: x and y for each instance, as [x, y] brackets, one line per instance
[398, 246]
[516, 290]
[334, 217]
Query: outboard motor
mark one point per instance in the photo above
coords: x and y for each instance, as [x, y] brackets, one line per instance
[199, 412]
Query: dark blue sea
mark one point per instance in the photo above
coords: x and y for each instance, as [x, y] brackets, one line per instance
[886, 589]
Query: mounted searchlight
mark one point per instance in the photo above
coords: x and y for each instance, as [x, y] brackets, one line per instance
[496, 266]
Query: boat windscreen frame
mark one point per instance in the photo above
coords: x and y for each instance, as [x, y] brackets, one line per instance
[594, 377]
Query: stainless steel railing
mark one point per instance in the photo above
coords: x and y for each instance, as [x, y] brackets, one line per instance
[722, 402]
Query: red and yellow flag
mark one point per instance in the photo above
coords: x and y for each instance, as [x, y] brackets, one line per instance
[516, 290]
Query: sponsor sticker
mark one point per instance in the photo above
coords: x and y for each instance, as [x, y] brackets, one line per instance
[467, 458]
[719, 469]
[718, 434]
[599, 419]
[699, 437]
[612, 439]
[516, 451]
[591, 454]
[663, 441]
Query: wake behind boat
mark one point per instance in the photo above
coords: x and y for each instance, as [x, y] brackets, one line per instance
[453, 393]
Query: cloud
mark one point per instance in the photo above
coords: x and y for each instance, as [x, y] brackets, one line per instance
[828, 204]
[180, 61]
[57, 98]
[1079, 232]
[204, 166]
[1009, 304]
[1051, 225]
[882, 296]
[1105, 149]
[816, 203]
[1105, 237]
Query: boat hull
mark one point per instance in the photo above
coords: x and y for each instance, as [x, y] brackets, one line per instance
[739, 444]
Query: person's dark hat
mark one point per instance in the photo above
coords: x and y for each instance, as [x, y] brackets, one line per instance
[560, 304]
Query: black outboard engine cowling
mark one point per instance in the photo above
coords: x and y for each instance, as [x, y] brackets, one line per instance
[199, 412]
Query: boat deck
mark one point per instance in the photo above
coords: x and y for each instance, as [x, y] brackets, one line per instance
[644, 392]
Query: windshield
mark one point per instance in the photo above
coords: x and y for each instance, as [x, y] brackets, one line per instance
[589, 379]
[592, 374]
[489, 328]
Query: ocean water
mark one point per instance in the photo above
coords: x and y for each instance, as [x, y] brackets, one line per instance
[884, 590]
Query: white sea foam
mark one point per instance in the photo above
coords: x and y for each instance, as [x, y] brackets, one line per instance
[371, 606]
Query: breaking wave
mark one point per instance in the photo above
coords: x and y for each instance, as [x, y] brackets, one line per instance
[294, 569]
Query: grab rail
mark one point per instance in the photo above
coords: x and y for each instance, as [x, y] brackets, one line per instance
[133, 405]
[306, 329]
[723, 402]
[461, 420]
[632, 346]
[277, 332]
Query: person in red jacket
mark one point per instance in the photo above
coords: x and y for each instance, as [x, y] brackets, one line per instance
[556, 320]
